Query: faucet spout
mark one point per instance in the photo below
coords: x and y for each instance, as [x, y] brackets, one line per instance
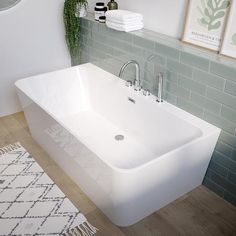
[137, 84]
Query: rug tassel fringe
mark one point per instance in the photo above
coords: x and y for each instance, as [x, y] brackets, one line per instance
[9, 148]
[85, 229]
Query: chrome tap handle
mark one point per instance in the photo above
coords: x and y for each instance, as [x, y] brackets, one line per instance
[129, 83]
[146, 92]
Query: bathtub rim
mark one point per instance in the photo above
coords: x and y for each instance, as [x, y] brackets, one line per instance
[204, 127]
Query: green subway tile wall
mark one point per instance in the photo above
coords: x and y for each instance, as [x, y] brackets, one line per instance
[196, 80]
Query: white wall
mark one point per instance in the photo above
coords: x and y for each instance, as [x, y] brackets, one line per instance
[31, 42]
[32, 38]
[163, 16]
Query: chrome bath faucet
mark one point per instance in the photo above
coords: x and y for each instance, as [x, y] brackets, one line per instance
[136, 83]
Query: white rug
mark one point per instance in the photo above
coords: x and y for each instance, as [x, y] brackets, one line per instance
[31, 203]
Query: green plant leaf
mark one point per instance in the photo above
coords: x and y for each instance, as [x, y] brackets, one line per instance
[214, 3]
[203, 21]
[206, 12]
[214, 26]
[72, 27]
[213, 11]
[210, 4]
[219, 14]
[201, 24]
[224, 5]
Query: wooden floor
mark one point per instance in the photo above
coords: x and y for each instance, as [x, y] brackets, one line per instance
[199, 212]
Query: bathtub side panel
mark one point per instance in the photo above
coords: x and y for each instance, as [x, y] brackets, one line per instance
[140, 193]
[87, 170]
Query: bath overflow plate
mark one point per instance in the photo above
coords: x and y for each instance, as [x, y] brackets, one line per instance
[119, 137]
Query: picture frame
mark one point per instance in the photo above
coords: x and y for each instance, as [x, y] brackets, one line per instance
[205, 23]
[228, 47]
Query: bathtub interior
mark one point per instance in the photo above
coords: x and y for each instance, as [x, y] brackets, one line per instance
[94, 106]
[60, 93]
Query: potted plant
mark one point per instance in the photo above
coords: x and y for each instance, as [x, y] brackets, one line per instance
[73, 9]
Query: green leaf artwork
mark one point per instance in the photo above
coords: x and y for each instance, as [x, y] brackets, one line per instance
[212, 13]
[233, 39]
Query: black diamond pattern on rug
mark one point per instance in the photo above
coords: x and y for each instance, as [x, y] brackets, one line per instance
[31, 203]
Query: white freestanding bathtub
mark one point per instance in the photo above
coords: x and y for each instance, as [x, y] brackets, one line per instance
[130, 154]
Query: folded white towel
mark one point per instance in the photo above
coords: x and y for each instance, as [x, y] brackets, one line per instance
[122, 15]
[122, 27]
[126, 22]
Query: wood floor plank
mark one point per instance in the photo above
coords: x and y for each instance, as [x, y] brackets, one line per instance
[152, 225]
[219, 219]
[200, 212]
[5, 136]
[22, 120]
[195, 219]
[12, 124]
[213, 203]
[106, 228]
[209, 222]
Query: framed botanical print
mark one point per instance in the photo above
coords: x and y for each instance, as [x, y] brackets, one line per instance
[205, 22]
[229, 42]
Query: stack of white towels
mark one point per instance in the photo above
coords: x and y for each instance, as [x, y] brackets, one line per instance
[123, 20]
